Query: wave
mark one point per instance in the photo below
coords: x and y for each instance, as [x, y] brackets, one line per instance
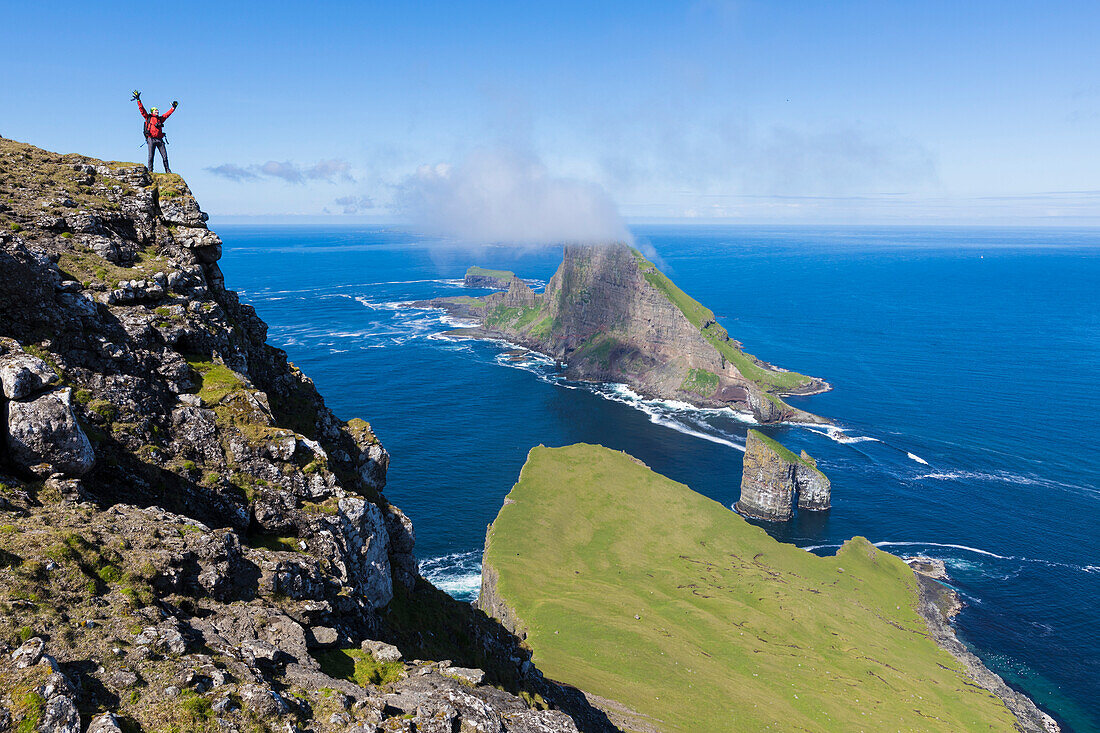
[916, 458]
[964, 565]
[834, 432]
[945, 544]
[999, 476]
[391, 305]
[457, 574]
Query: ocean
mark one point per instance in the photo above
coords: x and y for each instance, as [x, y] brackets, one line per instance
[964, 362]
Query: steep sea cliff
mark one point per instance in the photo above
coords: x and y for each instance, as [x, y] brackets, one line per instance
[190, 540]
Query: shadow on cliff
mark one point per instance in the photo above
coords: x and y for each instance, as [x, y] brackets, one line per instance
[426, 623]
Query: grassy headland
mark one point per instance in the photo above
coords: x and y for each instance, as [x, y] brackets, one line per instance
[635, 588]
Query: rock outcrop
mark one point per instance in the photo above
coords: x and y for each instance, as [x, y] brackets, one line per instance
[480, 277]
[609, 314]
[189, 538]
[774, 481]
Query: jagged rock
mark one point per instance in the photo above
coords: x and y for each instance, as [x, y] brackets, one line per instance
[364, 550]
[772, 477]
[43, 435]
[60, 716]
[21, 374]
[29, 653]
[372, 460]
[263, 701]
[519, 295]
[399, 527]
[465, 674]
[813, 487]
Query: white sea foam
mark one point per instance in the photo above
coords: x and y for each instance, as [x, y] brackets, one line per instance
[917, 458]
[392, 305]
[834, 432]
[455, 322]
[944, 544]
[457, 574]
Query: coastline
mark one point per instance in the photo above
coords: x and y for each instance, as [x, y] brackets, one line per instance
[938, 603]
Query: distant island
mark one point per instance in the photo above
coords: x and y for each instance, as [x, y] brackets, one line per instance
[609, 315]
[676, 615]
[480, 277]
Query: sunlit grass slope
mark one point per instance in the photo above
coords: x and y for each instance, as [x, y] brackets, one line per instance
[635, 588]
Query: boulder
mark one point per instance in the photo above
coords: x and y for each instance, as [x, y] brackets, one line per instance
[22, 375]
[29, 653]
[381, 651]
[105, 723]
[44, 437]
[60, 716]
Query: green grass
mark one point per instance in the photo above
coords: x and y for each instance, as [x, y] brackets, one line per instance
[216, 381]
[784, 452]
[701, 382]
[635, 588]
[273, 542]
[485, 272]
[467, 300]
[358, 666]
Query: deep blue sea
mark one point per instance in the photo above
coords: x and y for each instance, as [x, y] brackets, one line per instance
[965, 364]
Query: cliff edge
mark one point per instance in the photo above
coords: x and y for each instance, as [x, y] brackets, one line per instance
[190, 540]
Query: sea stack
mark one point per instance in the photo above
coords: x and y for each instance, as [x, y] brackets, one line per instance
[774, 480]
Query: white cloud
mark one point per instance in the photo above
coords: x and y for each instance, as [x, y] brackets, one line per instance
[325, 170]
[504, 195]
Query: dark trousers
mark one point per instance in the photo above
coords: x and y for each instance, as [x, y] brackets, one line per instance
[156, 144]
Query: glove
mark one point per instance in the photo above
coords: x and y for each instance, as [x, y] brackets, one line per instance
[175, 104]
[137, 95]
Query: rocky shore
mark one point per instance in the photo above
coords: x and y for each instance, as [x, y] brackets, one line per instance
[938, 604]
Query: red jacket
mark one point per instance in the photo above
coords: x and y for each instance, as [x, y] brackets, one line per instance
[154, 123]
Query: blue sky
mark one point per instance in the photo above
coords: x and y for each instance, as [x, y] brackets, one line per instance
[831, 112]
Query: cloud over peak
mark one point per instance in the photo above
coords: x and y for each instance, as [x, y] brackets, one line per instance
[505, 195]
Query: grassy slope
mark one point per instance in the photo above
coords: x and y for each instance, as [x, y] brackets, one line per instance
[698, 315]
[736, 631]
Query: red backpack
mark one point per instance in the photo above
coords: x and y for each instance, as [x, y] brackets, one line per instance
[153, 126]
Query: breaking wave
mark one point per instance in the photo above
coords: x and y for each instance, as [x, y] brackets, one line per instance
[457, 574]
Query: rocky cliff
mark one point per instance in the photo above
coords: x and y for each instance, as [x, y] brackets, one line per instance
[773, 480]
[190, 540]
[609, 314]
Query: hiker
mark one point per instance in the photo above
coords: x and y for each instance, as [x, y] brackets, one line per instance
[154, 131]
